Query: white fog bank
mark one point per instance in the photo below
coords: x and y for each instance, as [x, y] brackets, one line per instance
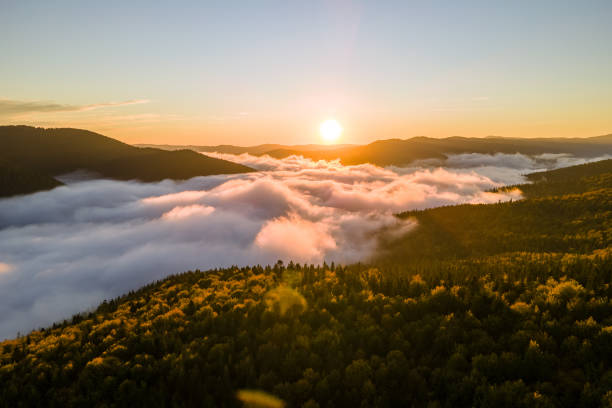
[65, 250]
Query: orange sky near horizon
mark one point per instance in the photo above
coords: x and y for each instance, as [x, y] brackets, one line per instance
[248, 73]
[250, 130]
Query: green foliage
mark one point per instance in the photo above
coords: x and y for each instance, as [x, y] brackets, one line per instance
[570, 180]
[497, 331]
[563, 214]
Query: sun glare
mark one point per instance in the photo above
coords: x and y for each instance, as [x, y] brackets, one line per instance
[330, 130]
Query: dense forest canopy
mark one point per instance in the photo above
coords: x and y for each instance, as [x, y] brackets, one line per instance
[36, 155]
[566, 210]
[15, 179]
[498, 305]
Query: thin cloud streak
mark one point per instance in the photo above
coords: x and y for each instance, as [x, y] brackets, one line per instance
[13, 107]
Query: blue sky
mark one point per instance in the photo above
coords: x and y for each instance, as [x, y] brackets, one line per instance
[249, 72]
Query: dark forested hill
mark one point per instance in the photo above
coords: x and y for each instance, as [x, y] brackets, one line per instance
[504, 305]
[567, 210]
[18, 180]
[257, 150]
[50, 152]
[402, 152]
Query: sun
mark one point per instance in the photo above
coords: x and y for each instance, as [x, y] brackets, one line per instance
[330, 130]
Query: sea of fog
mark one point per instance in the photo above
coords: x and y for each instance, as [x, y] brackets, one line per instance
[64, 251]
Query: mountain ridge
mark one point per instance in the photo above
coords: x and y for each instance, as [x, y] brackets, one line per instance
[45, 153]
[401, 152]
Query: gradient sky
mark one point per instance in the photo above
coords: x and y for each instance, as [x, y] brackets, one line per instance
[250, 72]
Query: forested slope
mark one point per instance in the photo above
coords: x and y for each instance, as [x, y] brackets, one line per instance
[499, 318]
[404, 151]
[18, 180]
[51, 152]
[567, 210]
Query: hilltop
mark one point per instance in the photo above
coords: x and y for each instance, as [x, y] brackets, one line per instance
[401, 152]
[256, 150]
[503, 305]
[36, 155]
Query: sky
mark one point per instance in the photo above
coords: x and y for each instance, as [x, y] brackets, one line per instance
[251, 72]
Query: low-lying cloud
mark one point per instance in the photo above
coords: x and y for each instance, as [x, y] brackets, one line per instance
[510, 168]
[65, 250]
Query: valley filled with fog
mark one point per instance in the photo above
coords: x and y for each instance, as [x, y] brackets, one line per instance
[65, 250]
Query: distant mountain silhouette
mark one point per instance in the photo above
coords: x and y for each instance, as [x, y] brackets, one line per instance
[256, 150]
[30, 158]
[405, 151]
[402, 152]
